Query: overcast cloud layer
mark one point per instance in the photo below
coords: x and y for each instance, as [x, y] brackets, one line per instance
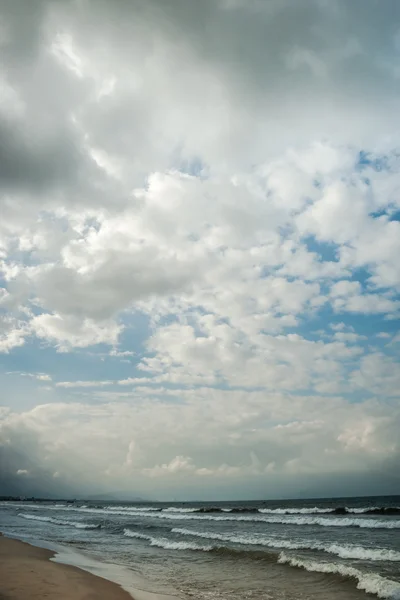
[199, 247]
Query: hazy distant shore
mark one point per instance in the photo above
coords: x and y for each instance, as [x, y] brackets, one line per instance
[27, 573]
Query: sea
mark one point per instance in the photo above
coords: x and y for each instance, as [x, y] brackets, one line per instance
[318, 549]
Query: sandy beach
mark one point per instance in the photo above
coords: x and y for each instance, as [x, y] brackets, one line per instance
[26, 573]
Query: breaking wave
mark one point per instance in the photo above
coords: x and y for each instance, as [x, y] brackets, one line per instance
[76, 524]
[341, 550]
[167, 544]
[180, 510]
[371, 583]
[130, 508]
[235, 510]
[295, 511]
[315, 510]
[278, 519]
[340, 510]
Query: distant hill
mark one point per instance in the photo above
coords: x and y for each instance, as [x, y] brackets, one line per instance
[116, 497]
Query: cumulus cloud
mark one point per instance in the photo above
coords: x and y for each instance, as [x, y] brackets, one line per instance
[67, 331]
[212, 192]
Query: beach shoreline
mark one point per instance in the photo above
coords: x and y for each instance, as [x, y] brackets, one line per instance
[27, 571]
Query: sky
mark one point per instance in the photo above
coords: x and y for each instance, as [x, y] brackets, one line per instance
[199, 248]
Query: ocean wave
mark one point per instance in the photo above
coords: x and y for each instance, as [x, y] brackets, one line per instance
[280, 511]
[272, 519]
[166, 543]
[337, 522]
[131, 508]
[315, 510]
[76, 524]
[376, 510]
[341, 550]
[362, 553]
[371, 583]
[180, 510]
[338, 510]
[295, 511]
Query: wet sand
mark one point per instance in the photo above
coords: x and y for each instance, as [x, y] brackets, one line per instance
[26, 573]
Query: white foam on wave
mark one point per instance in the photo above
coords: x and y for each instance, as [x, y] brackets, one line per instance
[268, 511]
[76, 524]
[361, 553]
[125, 508]
[360, 511]
[295, 511]
[319, 510]
[333, 521]
[254, 539]
[179, 510]
[341, 550]
[341, 522]
[371, 583]
[165, 543]
[249, 539]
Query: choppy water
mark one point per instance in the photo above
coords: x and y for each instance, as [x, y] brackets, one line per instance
[292, 550]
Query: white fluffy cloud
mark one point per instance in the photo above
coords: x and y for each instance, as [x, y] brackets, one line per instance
[12, 333]
[226, 173]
